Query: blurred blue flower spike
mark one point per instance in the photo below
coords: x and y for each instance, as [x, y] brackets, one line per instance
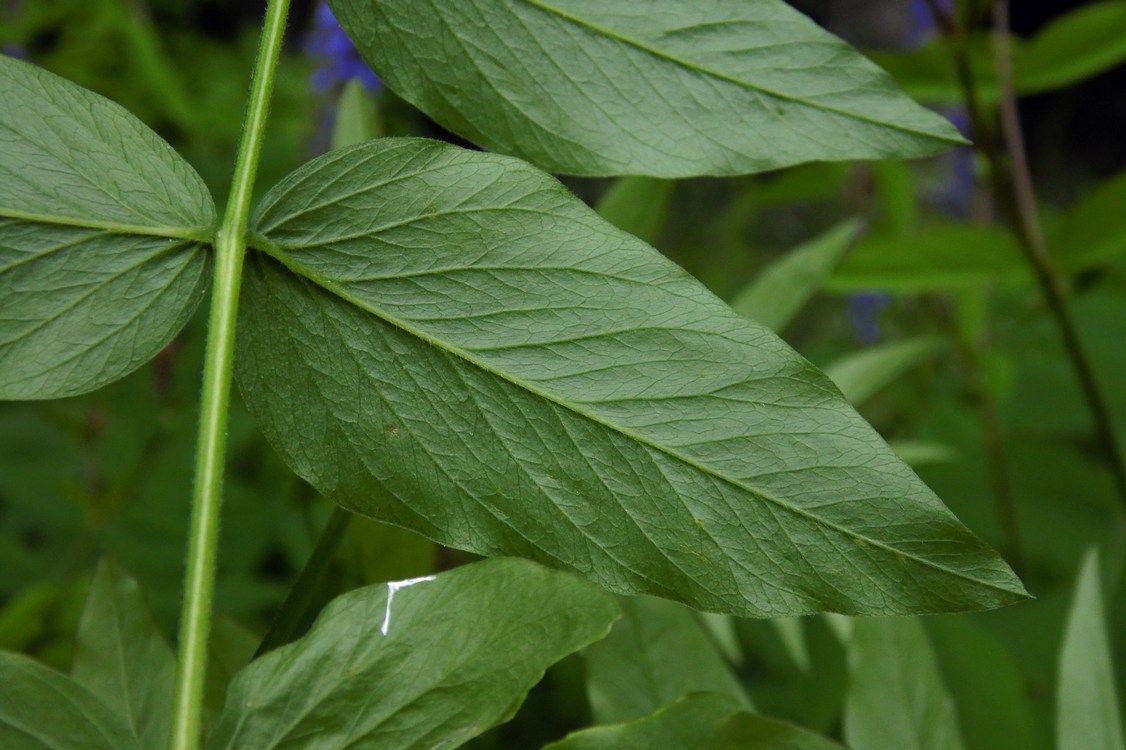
[864, 313]
[923, 25]
[337, 58]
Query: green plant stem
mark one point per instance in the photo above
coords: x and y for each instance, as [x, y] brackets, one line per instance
[230, 247]
[1052, 282]
[302, 598]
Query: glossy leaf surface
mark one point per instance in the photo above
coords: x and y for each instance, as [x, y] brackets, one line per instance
[663, 88]
[449, 341]
[122, 658]
[656, 654]
[430, 662]
[102, 228]
[41, 709]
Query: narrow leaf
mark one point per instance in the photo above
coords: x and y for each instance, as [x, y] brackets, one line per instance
[122, 658]
[41, 709]
[782, 289]
[656, 654]
[102, 232]
[430, 662]
[663, 88]
[896, 698]
[700, 720]
[865, 373]
[357, 119]
[449, 341]
[1087, 700]
[1093, 232]
[1078, 45]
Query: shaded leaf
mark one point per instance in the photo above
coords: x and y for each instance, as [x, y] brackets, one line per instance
[656, 654]
[1087, 700]
[896, 697]
[700, 720]
[637, 205]
[102, 232]
[424, 663]
[44, 709]
[665, 88]
[449, 341]
[1079, 44]
[862, 374]
[122, 658]
[780, 291]
[1093, 232]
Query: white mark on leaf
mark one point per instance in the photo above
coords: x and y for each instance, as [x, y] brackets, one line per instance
[392, 587]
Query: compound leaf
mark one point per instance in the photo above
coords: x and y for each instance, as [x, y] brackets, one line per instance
[102, 235]
[449, 341]
[663, 88]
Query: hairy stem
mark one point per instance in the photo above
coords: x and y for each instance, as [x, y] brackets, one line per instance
[1052, 283]
[230, 247]
[302, 598]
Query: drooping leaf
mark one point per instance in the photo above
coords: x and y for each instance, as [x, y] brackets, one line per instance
[449, 341]
[943, 257]
[429, 662]
[637, 205]
[865, 373]
[1087, 715]
[41, 709]
[122, 658]
[896, 697]
[656, 654]
[102, 228]
[780, 291]
[663, 88]
[700, 720]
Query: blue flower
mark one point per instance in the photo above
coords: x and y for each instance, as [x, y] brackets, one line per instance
[864, 312]
[922, 21]
[337, 58]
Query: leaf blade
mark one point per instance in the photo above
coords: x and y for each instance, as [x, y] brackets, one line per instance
[668, 90]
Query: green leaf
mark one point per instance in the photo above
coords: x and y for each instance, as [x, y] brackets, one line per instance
[923, 453]
[700, 720]
[779, 293]
[865, 373]
[102, 232]
[449, 341]
[1087, 716]
[656, 654]
[1078, 45]
[665, 88]
[428, 662]
[897, 698]
[943, 257]
[357, 119]
[122, 658]
[41, 709]
[1093, 232]
[637, 205]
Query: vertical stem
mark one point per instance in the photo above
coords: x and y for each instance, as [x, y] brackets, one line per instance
[230, 247]
[1052, 283]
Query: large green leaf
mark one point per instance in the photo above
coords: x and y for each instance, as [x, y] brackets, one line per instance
[429, 662]
[663, 88]
[700, 720]
[1087, 700]
[102, 233]
[449, 341]
[783, 288]
[657, 653]
[41, 709]
[896, 698]
[122, 658]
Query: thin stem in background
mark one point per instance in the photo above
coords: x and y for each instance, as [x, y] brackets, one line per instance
[306, 591]
[1052, 283]
[230, 248]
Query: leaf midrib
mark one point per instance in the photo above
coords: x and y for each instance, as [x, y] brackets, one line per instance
[266, 246]
[590, 26]
[201, 234]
